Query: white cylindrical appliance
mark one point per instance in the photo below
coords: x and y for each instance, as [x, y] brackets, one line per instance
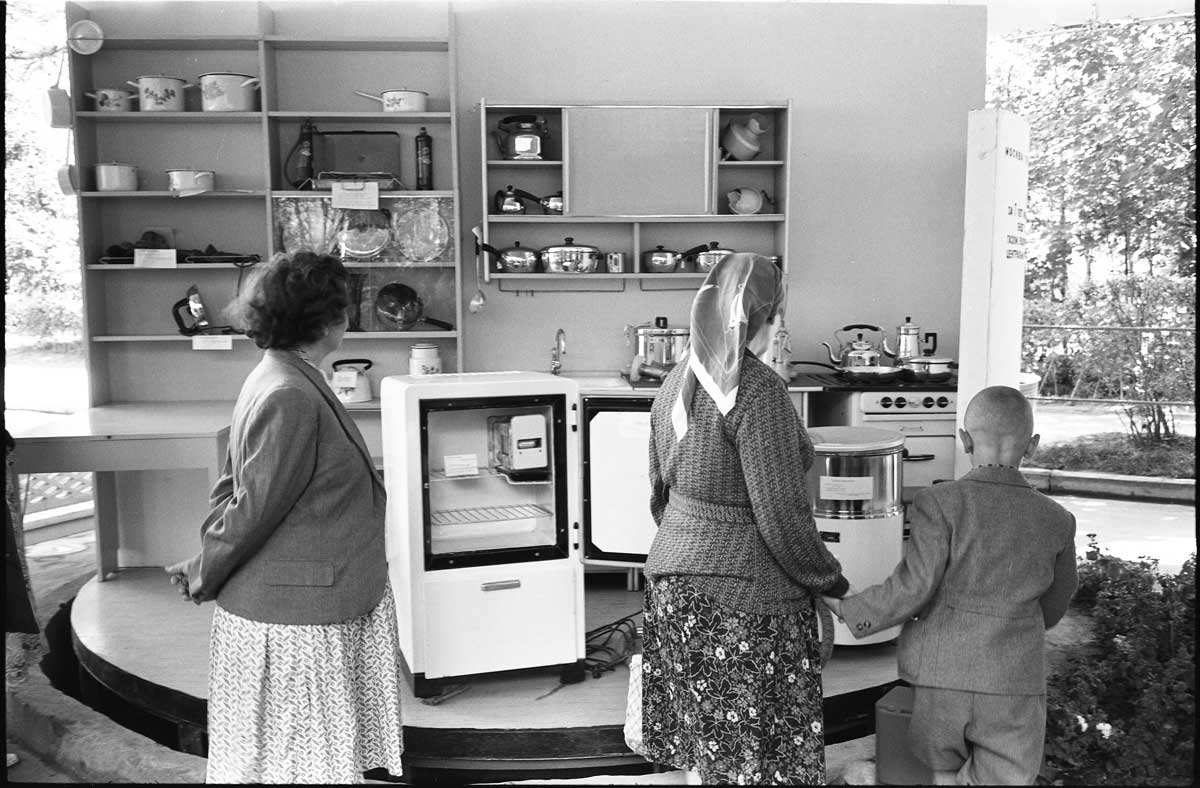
[855, 482]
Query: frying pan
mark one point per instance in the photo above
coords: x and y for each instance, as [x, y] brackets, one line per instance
[873, 374]
[399, 305]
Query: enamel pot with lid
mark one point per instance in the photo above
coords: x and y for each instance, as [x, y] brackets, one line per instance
[707, 257]
[223, 91]
[160, 93]
[516, 259]
[112, 100]
[191, 181]
[570, 258]
[116, 177]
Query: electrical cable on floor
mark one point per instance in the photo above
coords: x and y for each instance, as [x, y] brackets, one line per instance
[607, 646]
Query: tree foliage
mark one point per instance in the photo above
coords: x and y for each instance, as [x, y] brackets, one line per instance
[1112, 114]
[41, 231]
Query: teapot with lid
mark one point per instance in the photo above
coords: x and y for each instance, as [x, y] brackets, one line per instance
[856, 352]
[522, 137]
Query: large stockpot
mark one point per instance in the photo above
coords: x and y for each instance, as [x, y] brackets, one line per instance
[707, 257]
[658, 343]
[570, 258]
[856, 473]
[515, 259]
[222, 91]
[159, 93]
[116, 177]
[664, 261]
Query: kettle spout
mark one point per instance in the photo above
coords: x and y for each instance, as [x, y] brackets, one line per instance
[887, 350]
[832, 358]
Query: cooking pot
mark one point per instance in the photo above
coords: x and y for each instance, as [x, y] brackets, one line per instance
[928, 368]
[116, 177]
[349, 380]
[511, 201]
[739, 140]
[400, 306]
[570, 258]
[657, 343]
[159, 93]
[112, 100]
[522, 136]
[552, 203]
[192, 181]
[222, 91]
[516, 259]
[707, 257]
[399, 99]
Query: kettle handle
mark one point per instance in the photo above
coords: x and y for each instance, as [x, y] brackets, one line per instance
[931, 336]
[863, 326]
[366, 363]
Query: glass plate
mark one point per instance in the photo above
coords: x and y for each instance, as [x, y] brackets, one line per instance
[421, 233]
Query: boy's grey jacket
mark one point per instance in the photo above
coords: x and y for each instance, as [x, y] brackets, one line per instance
[295, 535]
[990, 567]
[730, 500]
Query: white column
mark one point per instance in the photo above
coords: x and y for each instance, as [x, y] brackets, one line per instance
[993, 270]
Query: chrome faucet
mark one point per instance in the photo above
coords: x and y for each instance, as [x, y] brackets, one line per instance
[558, 351]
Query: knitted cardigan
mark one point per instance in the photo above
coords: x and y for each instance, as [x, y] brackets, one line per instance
[731, 501]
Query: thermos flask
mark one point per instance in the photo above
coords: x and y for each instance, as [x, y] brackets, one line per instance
[424, 161]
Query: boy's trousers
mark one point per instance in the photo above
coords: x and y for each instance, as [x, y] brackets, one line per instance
[987, 739]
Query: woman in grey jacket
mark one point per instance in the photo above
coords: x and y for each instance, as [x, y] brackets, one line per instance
[731, 682]
[304, 672]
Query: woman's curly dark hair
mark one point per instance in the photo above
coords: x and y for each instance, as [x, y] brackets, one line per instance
[292, 300]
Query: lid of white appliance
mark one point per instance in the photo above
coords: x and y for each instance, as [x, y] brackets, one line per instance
[854, 440]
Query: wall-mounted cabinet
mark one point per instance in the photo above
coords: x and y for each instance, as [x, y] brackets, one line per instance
[631, 179]
[255, 208]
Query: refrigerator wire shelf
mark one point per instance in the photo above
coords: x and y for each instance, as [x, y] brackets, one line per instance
[488, 514]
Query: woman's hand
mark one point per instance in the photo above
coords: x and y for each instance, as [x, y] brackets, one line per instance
[835, 604]
[178, 573]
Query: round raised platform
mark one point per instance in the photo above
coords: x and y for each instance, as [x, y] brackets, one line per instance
[137, 637]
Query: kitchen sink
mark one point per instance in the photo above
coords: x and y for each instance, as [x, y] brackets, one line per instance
[597, 380]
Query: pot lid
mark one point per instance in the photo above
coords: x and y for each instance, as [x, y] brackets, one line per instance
[569, 245]
[115, 164]
[227, 74]
[660, 250]
[160, 76]
[855, 440]
[405, 90]
[714, 248]
[189, 169]
[934, 359]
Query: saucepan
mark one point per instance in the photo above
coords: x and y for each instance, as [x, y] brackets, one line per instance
[186, 183]
[928, 368]
[222, 91]
[112, 99]
[400, 307]
[160, 93]
[399, 99]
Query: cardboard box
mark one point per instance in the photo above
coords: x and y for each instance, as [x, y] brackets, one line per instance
[894, 762]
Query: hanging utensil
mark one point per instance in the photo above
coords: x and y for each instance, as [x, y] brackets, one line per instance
[478, 301]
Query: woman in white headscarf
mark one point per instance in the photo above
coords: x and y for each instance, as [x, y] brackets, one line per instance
[731, 682]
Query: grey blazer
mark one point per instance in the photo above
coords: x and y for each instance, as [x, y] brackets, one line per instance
[295, 534]
[991, 567]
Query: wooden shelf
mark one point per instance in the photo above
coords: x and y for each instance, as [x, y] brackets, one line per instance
[524, 163]
[567, 219]
[171, 117]
[347, 44]
[179, 266]
[232, 194]
[326, 194]
[350, 335]
[597, 275]
[181, 42]
[389, 117]
[158, 337]
[751, 163]
[400, 335]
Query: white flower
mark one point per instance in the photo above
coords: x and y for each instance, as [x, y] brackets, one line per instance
[778, 776]
[816, 726]
[1104, 728]
[741, 779]
[731, 716]
[719, 652]
[770, 669]
[791, 677]
[1156, 588]
[753, 712]
[804, 664]
[1083, 726]
[712, 745]
[743, 646]
[798, 739]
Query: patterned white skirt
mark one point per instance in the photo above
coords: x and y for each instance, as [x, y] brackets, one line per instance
[304, 703]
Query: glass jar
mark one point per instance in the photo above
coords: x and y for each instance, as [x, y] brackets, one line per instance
[424, 359]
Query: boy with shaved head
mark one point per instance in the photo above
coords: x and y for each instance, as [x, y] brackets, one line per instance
[991, 567]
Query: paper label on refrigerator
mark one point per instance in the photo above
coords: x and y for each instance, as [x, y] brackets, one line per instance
[362, 195]
[461, 464]
[847, 488]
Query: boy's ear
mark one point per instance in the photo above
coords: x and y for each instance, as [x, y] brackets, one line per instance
[1031, 447]
[968, 443]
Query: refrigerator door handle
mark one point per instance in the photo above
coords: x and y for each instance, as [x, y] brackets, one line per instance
[500, 585]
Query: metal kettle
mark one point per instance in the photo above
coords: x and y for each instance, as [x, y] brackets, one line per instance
[511, 201]
[857, 352]
[522, 136]
[552, 203]
[351, 384]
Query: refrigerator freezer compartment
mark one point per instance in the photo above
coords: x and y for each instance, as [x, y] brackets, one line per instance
[437, 475]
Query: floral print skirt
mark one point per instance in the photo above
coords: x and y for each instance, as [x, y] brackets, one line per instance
[735, 696]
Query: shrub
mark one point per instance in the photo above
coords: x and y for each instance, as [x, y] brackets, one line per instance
[1115, 452]
[1121, 711]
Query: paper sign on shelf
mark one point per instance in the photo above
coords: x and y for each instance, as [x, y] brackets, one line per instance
[359, 195]
[154, 258]
[212, 342]
[461, 464]
[847, 488]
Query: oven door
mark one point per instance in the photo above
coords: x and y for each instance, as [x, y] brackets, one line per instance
[927, 459]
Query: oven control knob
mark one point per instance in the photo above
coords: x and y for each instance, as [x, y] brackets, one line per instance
[885, 402]
[927, 402]
[901, 402]
[942, 402]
